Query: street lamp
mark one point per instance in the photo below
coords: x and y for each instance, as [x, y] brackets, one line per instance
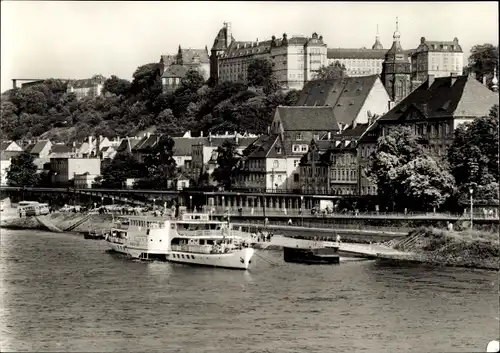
[471, 191]
[154, 204]
[301, 210]
[191, 202]
[102, 201]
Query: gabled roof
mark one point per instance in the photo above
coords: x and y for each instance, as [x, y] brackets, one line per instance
[189, 56]
[466, 97]
[346, 95]
[5, 144]
[39, 146]
[307, 118]
[439, 46]
[127, 144]
[355, 53]
[175, 70]
[261, 147]
[88, 82]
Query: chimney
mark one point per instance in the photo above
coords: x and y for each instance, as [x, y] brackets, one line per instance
[90, 144]
[201, 133]
[257, 41]
[210, 136]
[227, 133]
[454, 77]
[229, 33]
[431, 80]
[329, 135]
[269, 129]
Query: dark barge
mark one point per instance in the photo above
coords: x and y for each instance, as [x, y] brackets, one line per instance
[324, 255]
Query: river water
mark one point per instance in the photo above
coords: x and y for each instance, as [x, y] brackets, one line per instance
[63, 293]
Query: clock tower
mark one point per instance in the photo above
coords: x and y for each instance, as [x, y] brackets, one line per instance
[396, 70]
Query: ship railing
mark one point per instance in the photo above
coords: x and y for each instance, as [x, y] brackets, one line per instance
[201, 249]
[203, 232]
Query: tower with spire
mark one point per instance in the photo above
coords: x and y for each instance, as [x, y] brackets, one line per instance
[377, 44]
[396, 70]
[494, 81]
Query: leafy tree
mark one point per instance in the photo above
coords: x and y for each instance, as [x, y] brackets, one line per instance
[260, 74]
[29, 101]
[146, 81]
[227, 164]
[292, 97]
[193, 80]
[122, 167]
[482, 62]
[473, 156]
[167, 123]
[160, 165]
[406, 176]
[22, 171]
[332, 71]
[117, 86]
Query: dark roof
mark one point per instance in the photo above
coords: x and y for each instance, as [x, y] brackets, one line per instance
[261, 147]
[355, 132]
[189, 56]
[183, 145]
[307, 118]
[127, 144]
[5, 144]
[467, 97]
[439, 46]
[346, 95]
[59, 148]
[146, 142]
[221, 40]
[175, 70]
[363, 53]
[39, 146]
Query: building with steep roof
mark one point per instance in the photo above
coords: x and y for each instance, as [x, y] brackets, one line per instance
[438, 58]
[90, 87]
[172, 76]
[295, 60]
[396, 70]
[353, 99]
[188, 59]
[438, 106]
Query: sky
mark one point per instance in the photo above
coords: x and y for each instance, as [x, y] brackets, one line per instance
[77, 39]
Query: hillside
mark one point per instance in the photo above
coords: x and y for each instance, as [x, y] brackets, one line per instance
[47, 110]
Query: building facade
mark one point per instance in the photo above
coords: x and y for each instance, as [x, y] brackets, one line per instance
[438, 58]
[91, 87]
[295, 60]
[64, 170]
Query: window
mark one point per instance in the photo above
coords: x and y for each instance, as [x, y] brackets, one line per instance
[296, 163]
[295, 148]
[296, 178]
[276, 163]
[298, 137]
[316, 136]
[304, 148]
[278, 150]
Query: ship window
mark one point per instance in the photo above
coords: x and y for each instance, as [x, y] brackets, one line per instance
[147, 232]
[182, 255]
[192, 256]
[151, 240]
[160, 240]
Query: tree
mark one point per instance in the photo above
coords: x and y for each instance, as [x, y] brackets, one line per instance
[406, 176]
[122, 167]
[482, 62]
[292, 97]
[167, 124]
[29, 101]
[227, 164]
[260, 74]
[146, 81]
[160, 165]
[332, 71]
[22, 171]
[193, 80]
[117, 86]
[473, 155]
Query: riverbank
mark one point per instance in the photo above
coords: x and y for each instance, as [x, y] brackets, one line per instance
[467, 248]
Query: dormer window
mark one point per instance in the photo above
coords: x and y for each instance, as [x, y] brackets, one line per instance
[445, 47]
[298, 137]
[278, 150]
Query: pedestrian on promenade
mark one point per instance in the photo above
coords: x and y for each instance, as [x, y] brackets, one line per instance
[338, 238]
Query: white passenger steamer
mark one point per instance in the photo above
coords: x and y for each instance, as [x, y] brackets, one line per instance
[193, 239]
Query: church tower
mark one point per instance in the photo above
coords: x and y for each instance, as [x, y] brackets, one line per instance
[396, 70]
[377, 44]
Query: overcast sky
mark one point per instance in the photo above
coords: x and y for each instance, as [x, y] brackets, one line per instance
[42, 39]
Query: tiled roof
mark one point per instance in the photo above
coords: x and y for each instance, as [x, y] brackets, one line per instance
[189, 56]
[39, 146]
[355, 132]
[183, 145]
[221, 41]
[439, 46]
[346, 95]
[465, 98]
[262, 146]
[127, 144]
[59, 148]
[307, 118]
[175, 70]
[354, 53]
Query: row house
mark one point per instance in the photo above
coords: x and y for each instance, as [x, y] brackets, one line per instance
[272, 161]
[354, 100]
[40, 151]
[295, 60]
[8, 150]
[334, 166]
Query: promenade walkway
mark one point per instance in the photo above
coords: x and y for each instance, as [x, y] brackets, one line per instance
[370, 251]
